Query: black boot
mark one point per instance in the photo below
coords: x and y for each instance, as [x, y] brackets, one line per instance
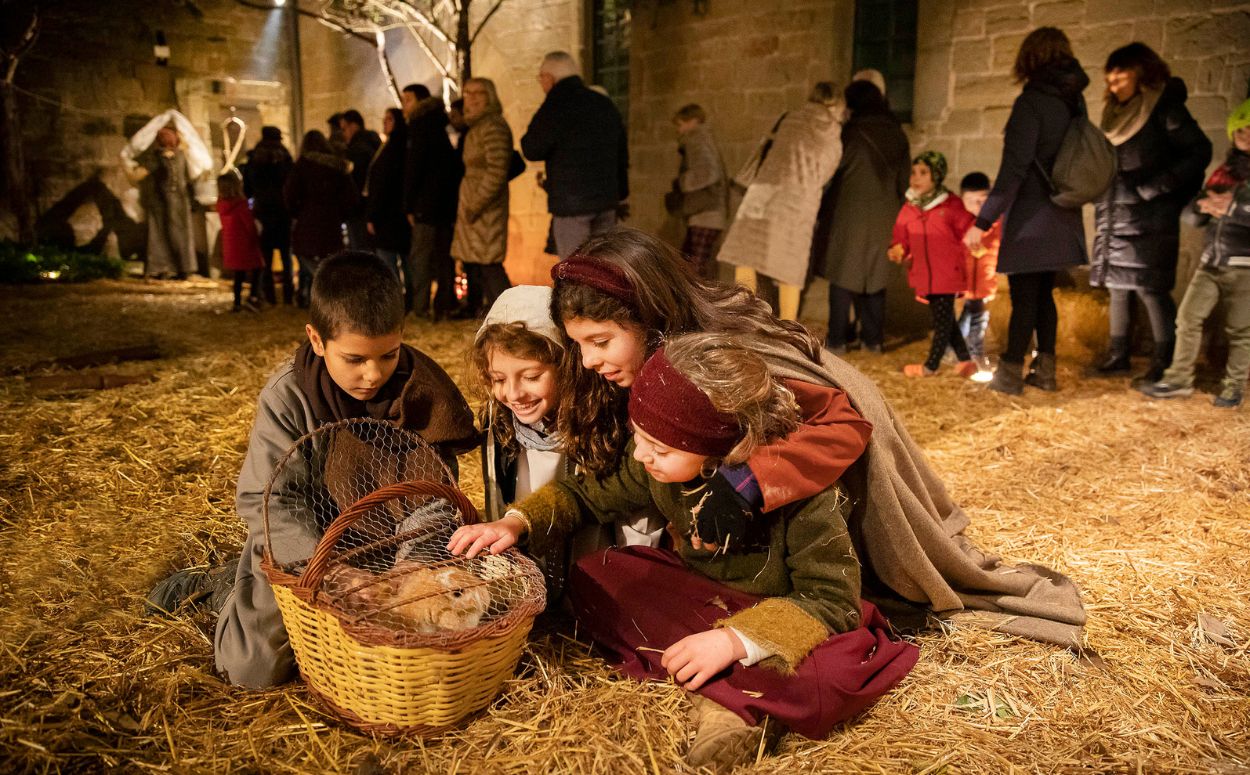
[1007, 378]
[1158, 363]
[1042, 373]
[1116, 360]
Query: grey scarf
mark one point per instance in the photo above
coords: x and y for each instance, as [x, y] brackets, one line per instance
[535, 437]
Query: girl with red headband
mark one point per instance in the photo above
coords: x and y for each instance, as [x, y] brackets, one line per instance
[787, 585]
[624, 292]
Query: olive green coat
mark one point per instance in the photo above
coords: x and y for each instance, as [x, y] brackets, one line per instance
[806, 569]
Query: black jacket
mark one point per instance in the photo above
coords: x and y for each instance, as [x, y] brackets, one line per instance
[1137, 222]
[360, 152]
[384, 207]
[1228, 237]
[1038, 235]
[433, 170]
[581, 137]
[267, 166]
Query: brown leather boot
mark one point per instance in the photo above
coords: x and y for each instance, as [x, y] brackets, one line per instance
[722, 739]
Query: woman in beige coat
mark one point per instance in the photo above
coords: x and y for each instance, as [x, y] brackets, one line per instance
[481, 238]
[772, 231]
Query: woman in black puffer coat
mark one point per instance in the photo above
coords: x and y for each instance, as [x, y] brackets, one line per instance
[1162, 154]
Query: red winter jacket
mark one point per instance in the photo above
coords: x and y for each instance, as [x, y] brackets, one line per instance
[933, 239]
[240, 247]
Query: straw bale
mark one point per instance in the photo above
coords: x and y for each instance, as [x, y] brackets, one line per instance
[1143, 503]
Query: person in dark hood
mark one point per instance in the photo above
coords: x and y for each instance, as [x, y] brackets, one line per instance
[431, 196]
[319, 195]
[1162, 155]
[857, 217]
[362, 145]
[384, 203]
[267, 166]
[1040, 238]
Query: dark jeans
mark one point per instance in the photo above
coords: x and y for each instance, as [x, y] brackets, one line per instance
[358, 237]
[1032, 312]
[393, 259]
[430, 263]
[1159, 308]
[253, 280]
[308, 266]
[571, 231]
[869, 317]
[486, 282]
[276, 235]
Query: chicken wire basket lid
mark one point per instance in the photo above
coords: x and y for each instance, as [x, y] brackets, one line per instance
[384, 506]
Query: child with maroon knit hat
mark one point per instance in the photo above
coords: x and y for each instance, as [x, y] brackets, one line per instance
[768, 629]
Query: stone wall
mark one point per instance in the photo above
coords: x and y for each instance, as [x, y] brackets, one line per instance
[95, 81]
[340, 73]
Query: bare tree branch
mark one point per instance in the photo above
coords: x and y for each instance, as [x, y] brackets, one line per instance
[486, 18]
[27, 39]
[385, 63]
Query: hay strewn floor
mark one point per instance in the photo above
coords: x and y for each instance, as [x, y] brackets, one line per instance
[1145, 504]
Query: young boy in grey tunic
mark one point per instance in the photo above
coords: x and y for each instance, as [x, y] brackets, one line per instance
[354, 364]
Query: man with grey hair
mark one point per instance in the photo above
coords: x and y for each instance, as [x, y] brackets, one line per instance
[580, 136]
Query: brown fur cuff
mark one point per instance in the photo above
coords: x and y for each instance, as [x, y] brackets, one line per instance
[552, 512]
[781, 627]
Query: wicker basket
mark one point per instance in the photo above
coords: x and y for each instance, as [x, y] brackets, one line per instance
[367, 665]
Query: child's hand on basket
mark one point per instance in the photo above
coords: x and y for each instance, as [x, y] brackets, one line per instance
[696, 658]
[495, 536]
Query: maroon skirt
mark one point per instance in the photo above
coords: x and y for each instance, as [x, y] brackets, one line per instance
[643, 597]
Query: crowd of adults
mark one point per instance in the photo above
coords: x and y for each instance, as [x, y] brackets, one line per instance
[818, 198]
[432, 190]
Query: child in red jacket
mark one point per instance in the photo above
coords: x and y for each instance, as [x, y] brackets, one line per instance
[929, 236]
[982, 267]
[240, 245]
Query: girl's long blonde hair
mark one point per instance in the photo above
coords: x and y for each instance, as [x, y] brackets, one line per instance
[736, 380]
[519, 342]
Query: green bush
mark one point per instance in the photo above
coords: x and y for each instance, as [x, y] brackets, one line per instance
[20, 264]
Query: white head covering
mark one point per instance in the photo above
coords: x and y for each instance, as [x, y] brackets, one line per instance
[528, 304]
[872, 76]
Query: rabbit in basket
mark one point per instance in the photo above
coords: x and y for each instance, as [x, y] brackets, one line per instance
[427, 599]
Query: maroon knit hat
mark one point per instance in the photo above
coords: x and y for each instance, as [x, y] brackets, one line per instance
[667, 406]
[601, 275]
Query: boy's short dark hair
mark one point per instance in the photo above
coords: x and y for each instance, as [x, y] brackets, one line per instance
[691, 112]
[974, 181]
[418, 90]
[356, 292]
[353, 117]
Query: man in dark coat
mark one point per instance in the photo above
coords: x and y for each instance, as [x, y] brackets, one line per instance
[384, 206]
[857, 217]
[267, 166]
[431, 195]
[580, 135]
[362, 144]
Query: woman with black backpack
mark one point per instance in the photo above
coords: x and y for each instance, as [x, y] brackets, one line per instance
[1040, 238]
[1162, 155]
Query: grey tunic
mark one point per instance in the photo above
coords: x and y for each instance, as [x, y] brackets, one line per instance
[166, 195]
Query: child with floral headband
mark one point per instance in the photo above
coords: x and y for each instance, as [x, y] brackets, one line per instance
[770, 625]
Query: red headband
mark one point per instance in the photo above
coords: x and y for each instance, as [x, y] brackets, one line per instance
[668, 407]
[598, 274]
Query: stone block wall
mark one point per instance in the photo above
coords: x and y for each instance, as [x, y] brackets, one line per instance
[92, 80]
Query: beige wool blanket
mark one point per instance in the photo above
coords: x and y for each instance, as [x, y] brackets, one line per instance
[911, 531]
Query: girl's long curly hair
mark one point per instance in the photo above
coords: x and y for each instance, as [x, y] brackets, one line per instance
[519, 342]
[736, 380]
[671, 300]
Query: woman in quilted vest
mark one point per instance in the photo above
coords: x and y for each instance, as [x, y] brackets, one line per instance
[1162, 155]
[481, 239]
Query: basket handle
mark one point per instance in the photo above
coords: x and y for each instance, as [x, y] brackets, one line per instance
[320, 563]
